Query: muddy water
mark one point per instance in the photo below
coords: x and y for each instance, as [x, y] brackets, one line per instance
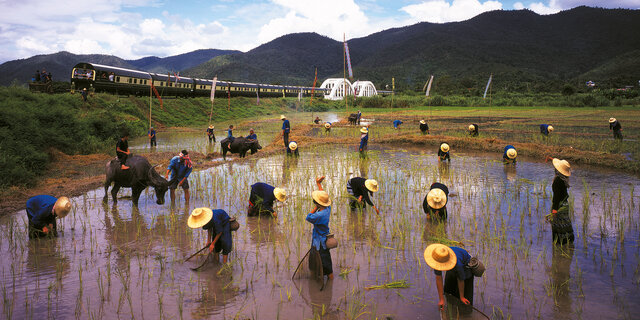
[112, 261]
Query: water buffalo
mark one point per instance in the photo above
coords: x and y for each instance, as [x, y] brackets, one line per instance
[139, 176]
[239, 145]
[353, 118]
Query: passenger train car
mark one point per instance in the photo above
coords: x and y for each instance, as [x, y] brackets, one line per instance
[117, 80]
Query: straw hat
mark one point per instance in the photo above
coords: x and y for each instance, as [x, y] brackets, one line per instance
[562, 166]
[372, 185]
[364, 130]
[199, 217]
[612, 120]
[280, 194]
[512, 153]
[550, 128]
[440, 257]
[62, 207]
[282, 117]
[422, 122]
[210, 126]
[293, 145]
[472, 127]
[321, 197]
[327, 125]
[436, 198]
[444, 147]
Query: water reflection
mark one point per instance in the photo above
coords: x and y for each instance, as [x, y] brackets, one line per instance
[559, 279]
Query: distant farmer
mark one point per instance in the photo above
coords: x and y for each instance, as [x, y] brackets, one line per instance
[435, 202]
[327, 127]
[364, 140]
[122, 150]
[252, 135]
[262, 197]
[509, 155]
[319, 217]
[545, 129]
[210, 134]
[443, 152]
[473, 130]
[286, 128]
[361, 188]
[230, 136]
[152, 137]
[458, 281]
[42, 212]
[292, 149]
[180, 168]
[84, 94]
[317, 120]
[560, 219]
[614, 125]
[217, 223]
[358, 117]
[396, 124]
[424, 127]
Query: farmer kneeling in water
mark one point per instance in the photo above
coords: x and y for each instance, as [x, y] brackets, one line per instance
[319, 217]
[360, 188]
[435, 202]
[509, 155]
[262, 197]
[443, 152]
[473, 130]
[458, 281]
[217, 223]
[42, 212]
[292, 149]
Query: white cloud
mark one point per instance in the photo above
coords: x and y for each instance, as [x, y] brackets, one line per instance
[440, 11]
[568, 4]
[518, 6]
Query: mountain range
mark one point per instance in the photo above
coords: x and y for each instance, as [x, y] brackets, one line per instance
[520, 48]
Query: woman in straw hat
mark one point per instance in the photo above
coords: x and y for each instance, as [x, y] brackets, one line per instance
[443, 152]
[424, 127]
[509, 155]
[435, 202]
[216, 222]
[212, 137]
[319, 217]
[545, 129]
[292, 149]
[561, 227]
[458, 281]
[262, 197]
[614, 125]
[360, 188]
[473, 130]
[42, 212]
[364, 140]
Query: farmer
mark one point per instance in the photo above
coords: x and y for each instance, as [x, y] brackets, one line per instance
[180, 167]
[327, 127]
[317, 120]
[42, 212]
[424, 127]
[443, 152]
[364, 140]
[509, 155]
[458, 281]
[561, 227]
[473, 130]
[152, 137]
[396, 124]
[84, 94]
[122, 150]
[360, 188]
[435, 202]
[210, 134]
[230, 136]
[292, 149]
[614, 125]
[252, 135]
[358, 116]
[216, 222]
[545, 129]
[286, 128]
[319, 217]
[262, 197]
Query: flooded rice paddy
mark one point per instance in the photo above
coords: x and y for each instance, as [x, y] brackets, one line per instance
[114, 261]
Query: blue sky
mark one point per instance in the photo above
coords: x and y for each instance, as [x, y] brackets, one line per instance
[133, 29]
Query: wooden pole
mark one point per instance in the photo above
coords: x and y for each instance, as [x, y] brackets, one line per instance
[344, 72]
[150, 102]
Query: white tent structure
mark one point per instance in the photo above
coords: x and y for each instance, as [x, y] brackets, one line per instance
[364, 89]
[336, 87]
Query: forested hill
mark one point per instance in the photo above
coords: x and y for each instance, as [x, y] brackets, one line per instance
[521, 48]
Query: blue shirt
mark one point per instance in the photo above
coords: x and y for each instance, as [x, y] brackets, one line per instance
[230, 133]
[152, 133]
[253, 136]
[396, 123]
[264, 192]
[462, 260]
[285, 126]
[40, 210]
[320, 220]
[363, 141]
[178, 169]
[544, 129]
[219, 224]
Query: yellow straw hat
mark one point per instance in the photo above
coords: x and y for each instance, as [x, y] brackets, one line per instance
[327, 125]
[293, 145]
[562, 166]
[440, 257]
[321, 197]
[364, 130]
[512, 153]
[550, 128]
[422, 122]
[280, 194]
[472, 127]
[612, 120]
[62, 207]
[436, 198]
[282, 117]
[444, 147]
[210, 126]
[199, 217]
[372, 185]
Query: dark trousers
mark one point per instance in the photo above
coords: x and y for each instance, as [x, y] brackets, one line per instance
[285, 137]
[617, 135]
[152, 142]
[212, 138]
[325, 258]
[451, 286]
[122, 157]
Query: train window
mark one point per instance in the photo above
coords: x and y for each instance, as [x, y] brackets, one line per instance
[129, 80]
[117, 79]
[135, 81]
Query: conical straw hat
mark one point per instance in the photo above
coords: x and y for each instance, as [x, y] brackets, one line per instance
[472, 127]
[199, 217]
[282, 117]
[562, 166]
[612, 120]
[321, 197]
[280, 194]
[444, 147]
[372, 185]
[422, 122]
[62, 207]
[210, 126]
[293, 145]
[364, 130]
[327, 125]
[440, 257]
[436, 198]
[512, 153]
[550, 128]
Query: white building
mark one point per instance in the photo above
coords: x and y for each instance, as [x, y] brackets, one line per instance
[338, 86]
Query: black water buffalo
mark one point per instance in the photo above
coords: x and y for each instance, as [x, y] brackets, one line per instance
[239, 145]
[139, 176]
[353, 118]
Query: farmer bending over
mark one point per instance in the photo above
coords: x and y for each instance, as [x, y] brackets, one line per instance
[458, 281]
[443, 152]
[435, 202]
[42, 212]
[424, 127]
[473, 130]
[509, 155]
[319, 217]
[122, 150]
[212, 137]
[396, 123]
[317, 120]
[292, 149]
[327, 127]
[180, 167]
[545, 129]
[262, 197]
[614, 125]
[360, 188]
[217, 223]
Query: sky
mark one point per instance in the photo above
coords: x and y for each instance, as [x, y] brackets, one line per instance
[132, 29]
